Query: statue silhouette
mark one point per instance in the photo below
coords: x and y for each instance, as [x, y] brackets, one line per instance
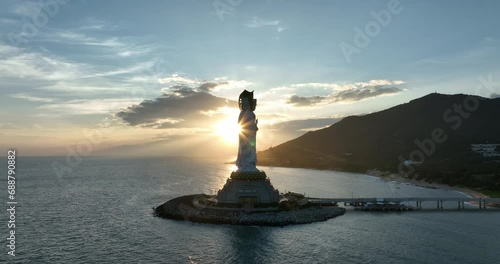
[247, 154]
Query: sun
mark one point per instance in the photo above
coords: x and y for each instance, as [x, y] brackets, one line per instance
[228, 129]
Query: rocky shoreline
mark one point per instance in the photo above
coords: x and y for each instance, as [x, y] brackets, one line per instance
[182, 208]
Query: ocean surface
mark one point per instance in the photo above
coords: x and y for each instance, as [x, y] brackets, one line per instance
[102, 213]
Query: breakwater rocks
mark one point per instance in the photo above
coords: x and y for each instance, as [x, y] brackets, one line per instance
[186, 208]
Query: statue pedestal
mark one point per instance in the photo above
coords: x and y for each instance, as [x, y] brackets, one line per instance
[248, 190]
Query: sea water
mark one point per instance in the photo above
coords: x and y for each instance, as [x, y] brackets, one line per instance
[101, 212]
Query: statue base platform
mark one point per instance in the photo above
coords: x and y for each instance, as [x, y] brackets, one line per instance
[200, 208]
[243, 175]
[248, 190]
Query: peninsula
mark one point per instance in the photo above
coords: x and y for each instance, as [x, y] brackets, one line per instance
[450, 140]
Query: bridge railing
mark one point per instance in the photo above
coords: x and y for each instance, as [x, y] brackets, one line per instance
[482, 202]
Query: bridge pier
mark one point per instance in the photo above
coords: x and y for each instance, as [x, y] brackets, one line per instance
[481, 201]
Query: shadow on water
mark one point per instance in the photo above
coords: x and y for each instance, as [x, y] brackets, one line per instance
[251, 244]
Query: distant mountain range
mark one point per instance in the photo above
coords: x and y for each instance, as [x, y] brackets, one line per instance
[430, 138]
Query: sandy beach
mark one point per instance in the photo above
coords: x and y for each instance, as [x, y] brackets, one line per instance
[388, 176]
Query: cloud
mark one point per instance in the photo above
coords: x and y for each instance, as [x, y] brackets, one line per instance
[36, 126]
[374, 83]
[302, 124]
[348, 86]
[89, 106]
[8, 126]
[208, 86]
[305, 100]
[175, 78]
[180, 132]
[83, 88]
[8, 21]
[134, 51]
[34, 65]
[345, 92]
[69, 37]
[180, 107]
[25, 8]
[128, 70]
[232, 85]
[257, 22]
[6, 50]
[218, 84]
[50, 74]
[31, 98]
[360, 94]
[343, 96]
[333, 86]
[92, 24]
[85, 37]
[494, 95]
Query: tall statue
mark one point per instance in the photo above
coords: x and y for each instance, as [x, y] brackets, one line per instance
[247, 154]
[247, 185]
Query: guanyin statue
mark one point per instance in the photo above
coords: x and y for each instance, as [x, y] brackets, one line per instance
[247, 154]
[247, 184]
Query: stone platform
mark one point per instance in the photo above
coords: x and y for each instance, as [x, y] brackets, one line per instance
[248, 188]
[192, 208]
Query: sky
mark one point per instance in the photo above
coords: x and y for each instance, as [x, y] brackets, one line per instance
[147, 78]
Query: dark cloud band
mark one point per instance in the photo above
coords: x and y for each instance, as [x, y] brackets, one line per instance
[350, 95]
[182, 106]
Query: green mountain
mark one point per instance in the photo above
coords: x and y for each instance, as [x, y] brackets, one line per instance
[430, 138]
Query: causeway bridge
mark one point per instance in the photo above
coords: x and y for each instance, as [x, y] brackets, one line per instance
[417, 201]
